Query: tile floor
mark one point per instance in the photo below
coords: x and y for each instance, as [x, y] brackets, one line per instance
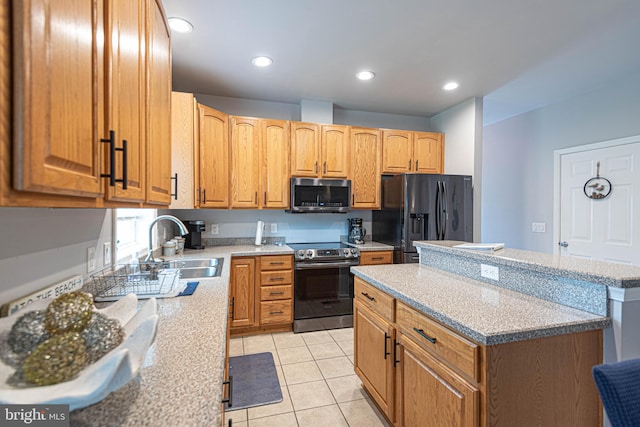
[319, 386]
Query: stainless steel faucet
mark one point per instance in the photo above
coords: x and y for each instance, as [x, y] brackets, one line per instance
[180, 224]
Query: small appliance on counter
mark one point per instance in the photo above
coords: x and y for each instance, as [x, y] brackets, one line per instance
[356, 231]
[194, 238]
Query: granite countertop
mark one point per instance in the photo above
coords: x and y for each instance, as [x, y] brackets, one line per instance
[485, 313]
[604, 273]
[180, 382]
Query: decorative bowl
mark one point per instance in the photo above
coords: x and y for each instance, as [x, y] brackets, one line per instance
[97, 380]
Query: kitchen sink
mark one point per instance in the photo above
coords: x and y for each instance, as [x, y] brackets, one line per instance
[200, 272]
[191, 263]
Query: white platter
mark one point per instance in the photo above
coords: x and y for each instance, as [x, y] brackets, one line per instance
[95, 381]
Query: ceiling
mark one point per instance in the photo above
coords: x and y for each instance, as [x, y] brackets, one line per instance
[517, 54]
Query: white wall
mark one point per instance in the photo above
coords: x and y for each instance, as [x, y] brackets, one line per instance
[518, 158]
[462, 126]
[44, 246]
[251, 107]
[379, 120]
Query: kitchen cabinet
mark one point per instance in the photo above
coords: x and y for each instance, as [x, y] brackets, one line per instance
[245, 162]
[365, 168]
[276, 289]
[406, 151]
[420, 372]
[213, 158]
[159, 101]
[275, 164]
[183, 137]
[72, 88]
[319, 151]
[376, 257]
[242, 291]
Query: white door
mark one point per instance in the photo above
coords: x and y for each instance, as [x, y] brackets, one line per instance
[605, 229]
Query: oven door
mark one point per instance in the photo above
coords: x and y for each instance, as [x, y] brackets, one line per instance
[322, 291]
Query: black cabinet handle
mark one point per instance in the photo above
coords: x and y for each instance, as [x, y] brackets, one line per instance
[112, 160]
[175, 193]
[417, 165]
[276, 262]
[395, 353]
[324, 167]
[204, 195]
[386, 337]
[425, 336]
[271, 313]
[316, 166]
[229, 399]
[276, 279]
[233, 307]
[276, 293]
[370, 298]
[125, 165]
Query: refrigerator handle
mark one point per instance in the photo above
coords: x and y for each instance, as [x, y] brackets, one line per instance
[437, 212]
[445, 210]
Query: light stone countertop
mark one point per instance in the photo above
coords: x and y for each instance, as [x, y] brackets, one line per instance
[485, 313]
[603, 273]
[180, 382]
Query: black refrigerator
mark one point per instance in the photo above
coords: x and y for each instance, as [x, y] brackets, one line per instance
[423, 207]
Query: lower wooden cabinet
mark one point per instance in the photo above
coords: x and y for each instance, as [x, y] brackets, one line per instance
[421, 373]
[376, 257]
[242, 291]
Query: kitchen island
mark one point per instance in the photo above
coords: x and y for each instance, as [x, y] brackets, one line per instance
[180, 382]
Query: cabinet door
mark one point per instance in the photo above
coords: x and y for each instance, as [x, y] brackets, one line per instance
[126, 77]
[242, 291]
[245, 162]
[275, 164]
[182, 149]
[373, 358]
[365, 169]
[213, 151]
[429, 394]
[397, 151]
[59, 97]
[428, 152]
[305, 143]
[159, 106]
[335, 151]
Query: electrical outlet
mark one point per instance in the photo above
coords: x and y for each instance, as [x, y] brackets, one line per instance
[538, 227]
[489, 272]
[91, 259]
[215, 229]
[274, 228]
[106, 254]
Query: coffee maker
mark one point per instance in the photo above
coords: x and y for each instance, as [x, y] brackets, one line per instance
[356, 231]
[193, 239]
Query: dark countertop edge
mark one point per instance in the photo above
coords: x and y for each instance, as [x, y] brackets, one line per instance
[497, 258]
[506, 337]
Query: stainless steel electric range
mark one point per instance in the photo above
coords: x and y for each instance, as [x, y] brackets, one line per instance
[323, 286]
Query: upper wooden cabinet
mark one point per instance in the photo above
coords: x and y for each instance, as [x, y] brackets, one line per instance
[183, 138]
[78, 95]
[213, 158]
[406, 151]
[365, 168]
[245, 162]
[319, 151]
[275, 163]
[159, 103]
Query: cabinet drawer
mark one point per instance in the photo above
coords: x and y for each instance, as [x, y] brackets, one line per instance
[458, 352]
[268, 293]
[276, 262]
[276, 277]
[276, 312]
[378, 257]
[374, 298]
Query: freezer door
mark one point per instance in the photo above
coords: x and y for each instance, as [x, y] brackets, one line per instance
[456, 204]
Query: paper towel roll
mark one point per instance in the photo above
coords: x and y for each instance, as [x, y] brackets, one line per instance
[259, 230]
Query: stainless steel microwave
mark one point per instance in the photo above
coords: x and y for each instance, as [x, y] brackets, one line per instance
[320, 195]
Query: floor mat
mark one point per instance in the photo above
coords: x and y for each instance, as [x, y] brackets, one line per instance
[255, 381]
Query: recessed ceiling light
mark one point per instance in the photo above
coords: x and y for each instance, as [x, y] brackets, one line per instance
[180, 25]
[365, 75]
[450, 86]
[262, 61]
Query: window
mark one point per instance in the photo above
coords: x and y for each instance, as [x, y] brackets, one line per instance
[132, 232]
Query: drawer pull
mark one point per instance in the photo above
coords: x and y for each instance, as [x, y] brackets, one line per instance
[425, 336]
[271, 313]
[276, 279]
[276, 293]
[386, 337]
[395, 353]
[377, 258]
[229, 399]
[370, 298]
[276, 262]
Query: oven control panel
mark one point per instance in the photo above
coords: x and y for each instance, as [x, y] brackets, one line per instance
[327, 254]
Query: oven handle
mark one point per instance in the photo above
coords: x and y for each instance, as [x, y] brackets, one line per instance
[317, 265]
